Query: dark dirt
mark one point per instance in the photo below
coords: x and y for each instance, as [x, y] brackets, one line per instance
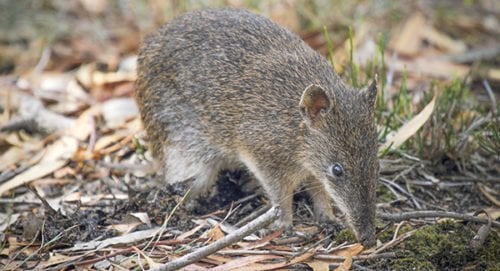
[91, 223]
[435, 246]
[82, 225]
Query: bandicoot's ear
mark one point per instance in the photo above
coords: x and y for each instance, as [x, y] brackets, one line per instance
[370, 92]
[314, 103]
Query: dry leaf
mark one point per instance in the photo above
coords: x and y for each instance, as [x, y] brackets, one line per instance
[130, 263]
[94, 199]
[130, 222]
[56, 258]
[107, 140]
[65, 171]
[410, 128]
[117, 111]
[92, 78]
[125, 228]
[436, 68]
[215, 233]
[318, 265]
[124, 239]
[283, 12]
[348, 253]
[263, 241]
[128, 64]
[75, 98]
[84, 124]
[272, 266]
[48, 85]
[408, 41]
[218, 259]
[351, 250]
[494, 74]
[194, 267]
[346, 264]
[11, 157]
[73, 197]
[41, 119]
[56, 156]
[243, 261]
[194, 230]
[6, 220]
[143, 217]
[227, 228]
[487, 192]
[151, 264]
[443, 41]
[96, 7]
[493, 212]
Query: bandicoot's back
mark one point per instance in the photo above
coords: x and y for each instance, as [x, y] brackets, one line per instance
[225, 88]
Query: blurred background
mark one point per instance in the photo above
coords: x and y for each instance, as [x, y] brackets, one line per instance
[82, 31]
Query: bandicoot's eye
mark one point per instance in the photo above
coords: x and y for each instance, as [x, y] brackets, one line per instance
[336, 170]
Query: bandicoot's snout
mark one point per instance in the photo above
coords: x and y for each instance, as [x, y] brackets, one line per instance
[367, 238]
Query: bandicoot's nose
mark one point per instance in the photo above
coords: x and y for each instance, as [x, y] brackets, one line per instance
[367, 240]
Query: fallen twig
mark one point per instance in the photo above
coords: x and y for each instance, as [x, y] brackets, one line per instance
[434, 214]
[48, 208]
[491, 95]
[227, 240]
[478, 240]
[386, 255]
[395, 241]
[252, 216]
[34, 117]
[326, 257]
[474, 55]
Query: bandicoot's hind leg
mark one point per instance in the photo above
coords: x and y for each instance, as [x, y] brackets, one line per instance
[183, 163]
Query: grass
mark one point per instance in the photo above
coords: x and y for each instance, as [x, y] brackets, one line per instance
[329, 46]
[489, 138]
[458, 128]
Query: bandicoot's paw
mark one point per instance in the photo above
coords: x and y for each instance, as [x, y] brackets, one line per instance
[274, 227]
[327, 219]
[284, 222]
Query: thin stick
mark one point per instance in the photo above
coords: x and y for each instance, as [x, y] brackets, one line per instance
[477, 242]
[326, 257]
[395, 241]
[252, 216]
[491, 95]
[227, 240]
[386, 255]
[435, 214]
[474, 55]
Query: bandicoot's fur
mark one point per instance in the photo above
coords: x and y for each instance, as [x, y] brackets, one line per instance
[225, 88]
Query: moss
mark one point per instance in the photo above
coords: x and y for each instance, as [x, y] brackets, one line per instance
[489, 254]
[412, 264]
[445, 244]
[384, 194]
[442, 246]
[345, 235]
[387, 235]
